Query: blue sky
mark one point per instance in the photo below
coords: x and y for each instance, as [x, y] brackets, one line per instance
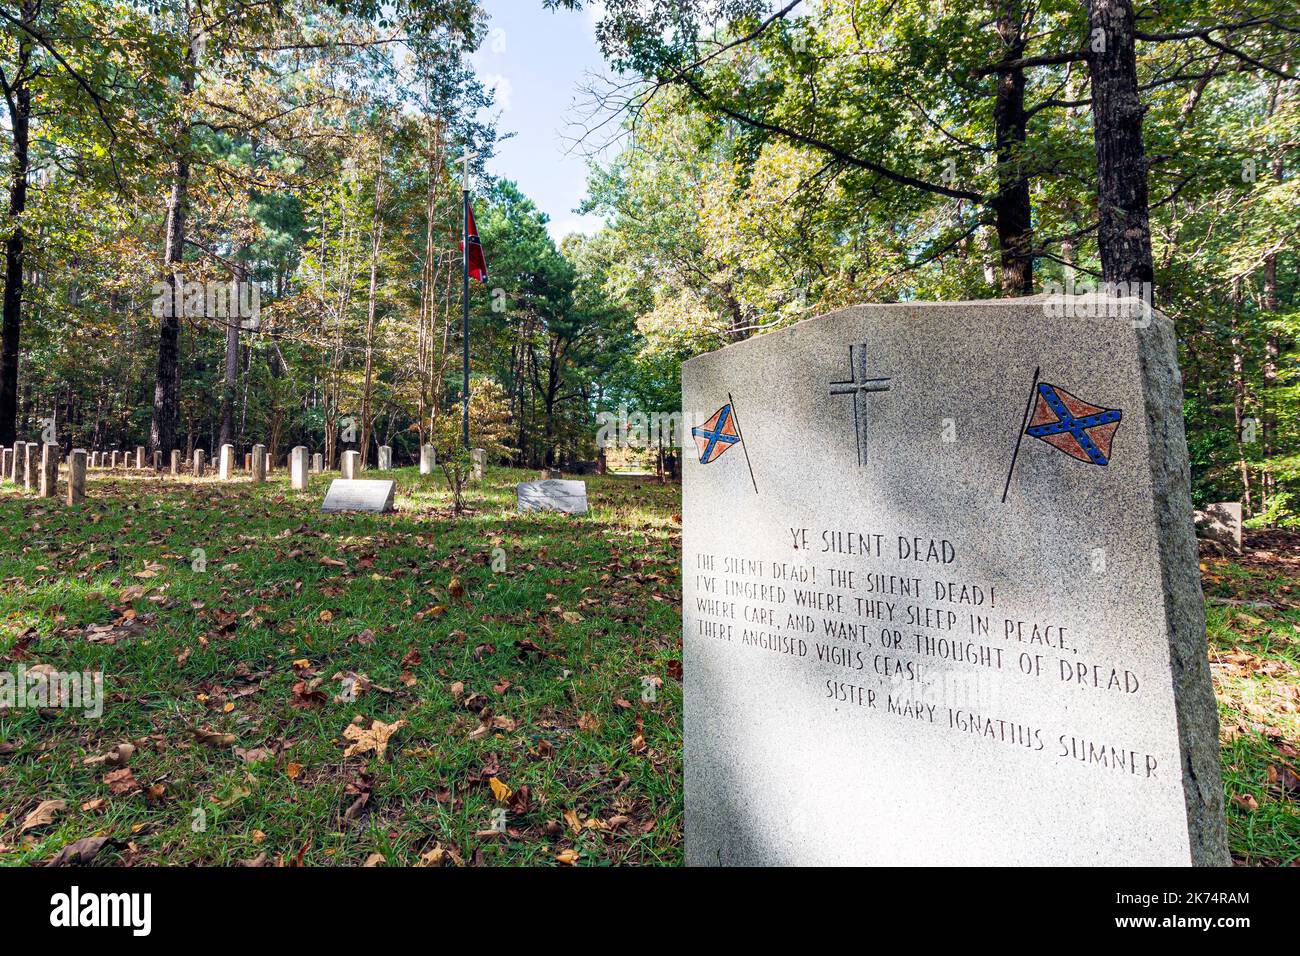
[536, 60]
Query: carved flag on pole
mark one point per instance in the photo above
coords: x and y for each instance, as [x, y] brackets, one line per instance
[718, 434]
[1071, 425]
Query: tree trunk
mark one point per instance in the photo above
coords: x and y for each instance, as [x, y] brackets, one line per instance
[19, 97]
[166, 394]
[1124, 228]
[376, 243]
[1239, 396]
[1011, 206]
[1272, 352]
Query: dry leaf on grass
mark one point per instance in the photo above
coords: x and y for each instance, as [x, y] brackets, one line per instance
[214, 739]
[79, 852]
[116, 757]
[373, 738]
[43, 815]
[120, 782]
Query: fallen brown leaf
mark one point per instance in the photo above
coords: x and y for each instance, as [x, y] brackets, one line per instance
[43, 815]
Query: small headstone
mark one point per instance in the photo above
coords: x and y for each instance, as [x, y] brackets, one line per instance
[428, 459]
[6, 466]
[15, 463]
[248, 461]
[113, 459]
[157, 461]
[941, 602]
[350, 466]
[270, 463]
[354, 494]
[76, 476]
[176, 461]
[31, 466]
[385, 457]
[226, 463]
[1221, 523]
[259, 463]
[317, 463]
[199, 457]
[50, 454]
[478, 457]
[298, 468]
[139, 457]
[552, 494]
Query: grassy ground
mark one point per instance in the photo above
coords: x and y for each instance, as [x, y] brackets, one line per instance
[1253, 622]
[549, 688]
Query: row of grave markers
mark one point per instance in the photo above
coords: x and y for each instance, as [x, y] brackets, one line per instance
[36, 466]
[39, 471]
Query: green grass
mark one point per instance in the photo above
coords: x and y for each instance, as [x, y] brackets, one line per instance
[221, 651]
[598, 595]
[1255, 660]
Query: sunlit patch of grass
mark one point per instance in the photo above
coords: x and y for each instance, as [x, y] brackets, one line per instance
[597, 596]
[1254, 640]
[558, 645]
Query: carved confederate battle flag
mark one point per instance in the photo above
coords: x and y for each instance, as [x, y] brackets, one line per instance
[718, 434]
[1069, 424]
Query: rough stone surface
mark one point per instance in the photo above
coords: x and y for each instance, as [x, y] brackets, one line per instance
[50, 455]
[317, 463]
[139, 457]
[350, 465]
[199, 462]
[259, 463]
[31, 466]
[385, 458]
[226, 463]
[888, 663]
[355, 494]
[76, 476]
[298, 468]
[552, 494]
[176, 461]
[1221, 523]
[428, 459]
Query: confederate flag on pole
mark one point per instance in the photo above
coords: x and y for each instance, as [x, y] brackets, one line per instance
[477, 262]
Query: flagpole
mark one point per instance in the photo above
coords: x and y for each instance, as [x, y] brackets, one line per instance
[465, 301]
[1020, 436]
[736, 418]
